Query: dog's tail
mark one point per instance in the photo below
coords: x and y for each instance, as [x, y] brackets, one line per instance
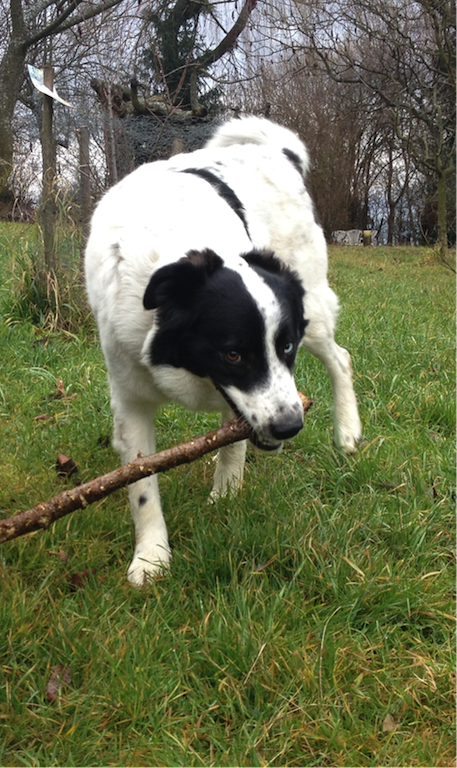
[260, 131]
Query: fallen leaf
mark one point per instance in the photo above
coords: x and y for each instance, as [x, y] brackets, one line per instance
[42, 417]
[389, 724]
[61, 554]
[61, 675]
[77, 580]
[65, 466]
[60, 393]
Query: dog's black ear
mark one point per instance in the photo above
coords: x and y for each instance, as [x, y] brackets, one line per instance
[264, 259]
[178, 282]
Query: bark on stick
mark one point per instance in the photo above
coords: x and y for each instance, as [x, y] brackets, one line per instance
[47, 512]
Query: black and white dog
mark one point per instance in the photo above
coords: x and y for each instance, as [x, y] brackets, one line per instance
[206, 273]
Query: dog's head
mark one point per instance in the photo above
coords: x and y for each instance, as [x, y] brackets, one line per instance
[240, 327]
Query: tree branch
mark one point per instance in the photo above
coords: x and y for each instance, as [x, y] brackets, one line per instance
[230, 38]
[46, 513]
[66, 21]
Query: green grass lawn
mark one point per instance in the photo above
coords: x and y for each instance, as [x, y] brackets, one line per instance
[306, 622]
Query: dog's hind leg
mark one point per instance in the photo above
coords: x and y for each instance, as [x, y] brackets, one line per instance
[134, 435]
[321, 310]
[346, 420]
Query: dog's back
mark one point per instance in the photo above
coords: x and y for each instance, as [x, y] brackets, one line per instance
[263, 133]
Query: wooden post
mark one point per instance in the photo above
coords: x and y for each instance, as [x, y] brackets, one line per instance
[48, 149]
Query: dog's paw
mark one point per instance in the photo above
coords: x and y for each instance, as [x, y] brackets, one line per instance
[147, 564]
[225, 488]
[347, 434]
[349, 444]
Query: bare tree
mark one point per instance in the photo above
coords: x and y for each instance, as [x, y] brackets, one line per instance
[334, 121]
[403, 53]
[188, 38]
[25, 25]
[181, 51]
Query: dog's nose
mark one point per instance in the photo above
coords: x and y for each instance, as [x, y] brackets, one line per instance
[286, 426]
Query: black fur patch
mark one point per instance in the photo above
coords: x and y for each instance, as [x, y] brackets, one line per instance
[265, 259]
[206, 314]
[223, 190]
[289, 292]
[182, 279]
[295, 160]
[287, 288]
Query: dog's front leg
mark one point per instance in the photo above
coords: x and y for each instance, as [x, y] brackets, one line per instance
[229, 465]
[229, 469]
[134, 435]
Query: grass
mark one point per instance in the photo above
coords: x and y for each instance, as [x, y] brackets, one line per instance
[308, 621]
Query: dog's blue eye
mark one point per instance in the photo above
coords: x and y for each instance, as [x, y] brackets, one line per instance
[233, 357]
[289, 348]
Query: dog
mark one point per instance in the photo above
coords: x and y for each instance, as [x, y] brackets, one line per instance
[206, 273]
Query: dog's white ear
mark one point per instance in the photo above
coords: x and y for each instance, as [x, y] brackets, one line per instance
[178, 282]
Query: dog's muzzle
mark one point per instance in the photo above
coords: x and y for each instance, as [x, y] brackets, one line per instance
[282, 430]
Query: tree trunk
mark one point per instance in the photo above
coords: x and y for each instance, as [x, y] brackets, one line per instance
[84, 185]
[11, 75]
[441, 241]
[390, 202]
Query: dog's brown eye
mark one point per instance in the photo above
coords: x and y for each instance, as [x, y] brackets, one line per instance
[233, 357]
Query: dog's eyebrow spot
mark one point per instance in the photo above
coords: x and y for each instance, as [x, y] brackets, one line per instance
[223, 190]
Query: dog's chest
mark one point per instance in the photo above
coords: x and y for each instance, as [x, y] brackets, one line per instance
[179, 386]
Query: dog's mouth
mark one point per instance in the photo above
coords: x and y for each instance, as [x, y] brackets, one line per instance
[265, 443]
[262, 442]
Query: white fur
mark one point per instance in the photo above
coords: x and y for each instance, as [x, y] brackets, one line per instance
[154, 217]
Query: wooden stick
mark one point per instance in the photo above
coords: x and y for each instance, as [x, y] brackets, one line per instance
[46, 513]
